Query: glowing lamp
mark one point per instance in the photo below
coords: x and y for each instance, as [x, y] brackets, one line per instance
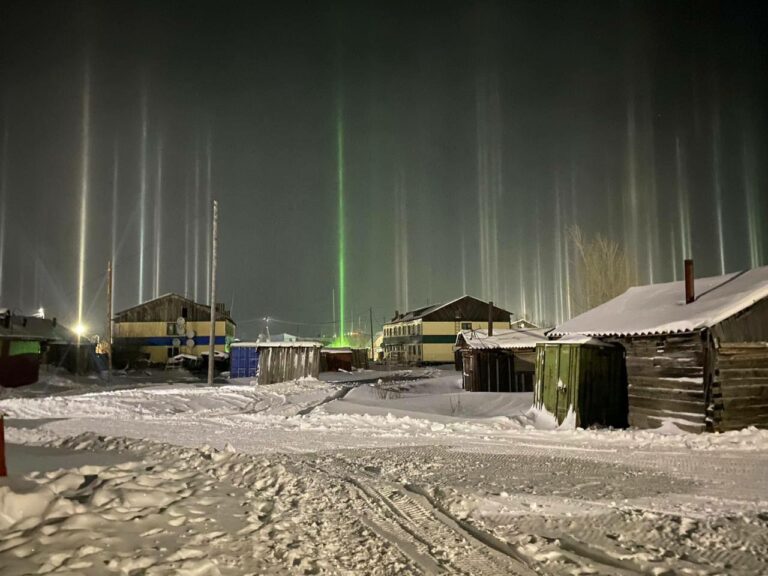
[80, 329]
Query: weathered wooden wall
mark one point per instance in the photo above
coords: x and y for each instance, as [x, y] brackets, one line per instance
[666, 380]
[283, 363]
[168, 309]
[497, 370]
[740, 386]
[749, 325]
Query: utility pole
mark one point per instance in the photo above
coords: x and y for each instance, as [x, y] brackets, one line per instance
[373, 349]
[109, 318]
[212, 333]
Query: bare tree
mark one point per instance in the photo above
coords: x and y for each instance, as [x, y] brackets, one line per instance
[601, 270]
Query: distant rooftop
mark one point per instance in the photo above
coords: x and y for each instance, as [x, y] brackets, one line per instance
[515, 339]
[467, 308]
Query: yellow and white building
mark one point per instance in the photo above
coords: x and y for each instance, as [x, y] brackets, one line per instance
[427, 335]
[168, 326]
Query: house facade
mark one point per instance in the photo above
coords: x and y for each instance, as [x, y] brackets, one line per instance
[167, 326]
[428, 335]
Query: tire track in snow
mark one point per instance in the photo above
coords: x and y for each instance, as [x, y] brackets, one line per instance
[431, 538]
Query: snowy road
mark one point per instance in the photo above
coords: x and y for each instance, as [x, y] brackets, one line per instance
[402, 477]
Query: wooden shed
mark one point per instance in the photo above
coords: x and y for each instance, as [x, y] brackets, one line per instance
[19, 359]
[273, 362]
[701, 365]
[504, 362]
[345, 359]
[584, 376]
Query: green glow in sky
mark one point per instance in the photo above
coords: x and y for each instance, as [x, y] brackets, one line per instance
[341, 339]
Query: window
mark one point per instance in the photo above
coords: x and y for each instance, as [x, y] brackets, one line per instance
[184, 312]
[466, 325]
[170, 329]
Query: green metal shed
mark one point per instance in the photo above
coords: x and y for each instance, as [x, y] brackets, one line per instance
[583, 374]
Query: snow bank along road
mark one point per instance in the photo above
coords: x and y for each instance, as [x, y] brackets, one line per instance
[403, 477]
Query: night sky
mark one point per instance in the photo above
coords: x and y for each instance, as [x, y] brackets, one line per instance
[473, 135]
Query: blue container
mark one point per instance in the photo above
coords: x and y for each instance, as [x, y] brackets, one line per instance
[244, 361]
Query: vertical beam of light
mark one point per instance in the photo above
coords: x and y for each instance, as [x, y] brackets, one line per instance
[539, 283]
[3, 202]
[683, 206]
[567, 246]
[85, 159]
[196, 224]
[341, 340]
[631, 207]
[489, 180]
[113, 251]
[463, 263]
[521, 275]
[158, 217]
[651, 203]
[401, 243]
[208, 204]
[753, 202]
[673, 250]
[398, 250]
[143, 191]
[718, 184]
[186, 235]
[558, 280]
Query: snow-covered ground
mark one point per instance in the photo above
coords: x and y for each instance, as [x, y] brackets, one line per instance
[375, 472]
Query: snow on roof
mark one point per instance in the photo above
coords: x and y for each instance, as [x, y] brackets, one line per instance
[578, 339]
[661, 308]
[276, 345]
[514, 339]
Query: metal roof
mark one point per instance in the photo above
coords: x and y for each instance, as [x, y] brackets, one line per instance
[514, 339]
[661, 308]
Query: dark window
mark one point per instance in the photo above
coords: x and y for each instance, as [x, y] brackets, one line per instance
[466, 325]
[170, 329]
[184, 312]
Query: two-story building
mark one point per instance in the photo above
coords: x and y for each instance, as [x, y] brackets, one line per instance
[427, 335]
[167, 326]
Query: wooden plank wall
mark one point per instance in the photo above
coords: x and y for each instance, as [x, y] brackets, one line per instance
[666, 380]
[740, 386]
[282, 363]
[495, 371]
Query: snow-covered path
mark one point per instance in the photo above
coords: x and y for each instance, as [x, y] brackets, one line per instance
[400, 477]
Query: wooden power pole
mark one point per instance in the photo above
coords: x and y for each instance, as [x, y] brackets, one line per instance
[212, 333]
[109, 318]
